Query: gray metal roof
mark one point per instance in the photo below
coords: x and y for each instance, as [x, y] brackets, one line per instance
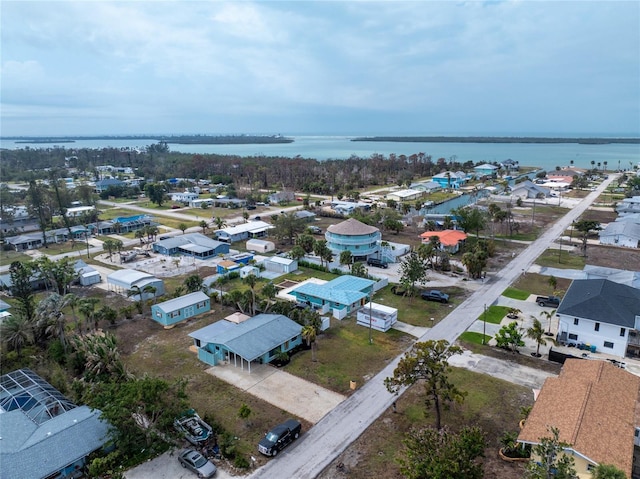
[602, 300]
[4, 306]
[251, 338]
[41, 430]
[182, 302]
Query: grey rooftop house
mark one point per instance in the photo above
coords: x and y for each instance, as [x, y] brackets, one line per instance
[44, 434]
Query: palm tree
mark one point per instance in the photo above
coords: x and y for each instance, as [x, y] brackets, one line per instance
[549, 316]
[219, 222]
[536, 332]
[16, 332]
[88, 308]
[309, 334]
[110, 246]
[193, 283]
[49, 314]
[251, 281]
[203, 225]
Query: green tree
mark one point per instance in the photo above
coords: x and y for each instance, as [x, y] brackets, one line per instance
[100, 358]
[287, 226]
[321, 250]
[548, 459]
[345, 257]
[219, 222]
[155, 192]
[607, 471]
[536, 332]
[306, 242]
[87, 307]
[251, 280]
[509, 337]
[428, 361]
[60, 274]
[470, 219]
[309, 335]
[297, 252]
[50, 317]
[16, 332]
[38, 197]
[268, 293]
[20, 274]
[203, 224]
[244, 412]
[548, 316]
[182, 227]
[585, 227]
[432, 453]
[193, 283]
[110, 245]
[359, 270]
[412, 270]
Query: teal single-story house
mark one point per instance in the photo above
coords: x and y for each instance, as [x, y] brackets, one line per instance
[175, 310]
[257, 339]
[193, 244]
[451, 179]
[344, 294]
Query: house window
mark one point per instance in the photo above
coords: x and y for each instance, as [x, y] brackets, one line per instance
[608, 344]
[597, 327]
[590, 467]
[576, 321]
[574, 337]
[622, 332]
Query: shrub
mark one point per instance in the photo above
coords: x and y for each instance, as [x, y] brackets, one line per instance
[241, 462]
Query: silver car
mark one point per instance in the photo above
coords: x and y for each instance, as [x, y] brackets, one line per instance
[197, 463]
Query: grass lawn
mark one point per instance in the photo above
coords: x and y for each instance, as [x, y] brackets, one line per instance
[514, 293]
[563, 259]
[494, 314]
[539, 284]
[475, 338]
[67, 247]
[344, 354]
[8, 257]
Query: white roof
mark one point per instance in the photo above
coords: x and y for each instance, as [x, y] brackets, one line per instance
[281, 260]
[246, 227]
[379, 307]
[405, 193]
[128, 276]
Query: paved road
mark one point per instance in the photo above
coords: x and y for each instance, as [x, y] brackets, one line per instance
[317, 448]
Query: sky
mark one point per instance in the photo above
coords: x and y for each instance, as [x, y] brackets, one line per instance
[320, 67]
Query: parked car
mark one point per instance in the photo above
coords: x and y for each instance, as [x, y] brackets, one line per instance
[435, 295]
[378, 263]
[549, 301]
[315, 230]
[251, 207]
[196, 462]
[280, 437]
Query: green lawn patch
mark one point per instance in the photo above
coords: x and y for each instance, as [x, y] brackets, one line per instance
[562, 259]
[475, 338]
[494, 314]
[514, 293]
[8, 257]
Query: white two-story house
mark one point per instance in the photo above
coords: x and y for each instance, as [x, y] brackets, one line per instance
[603, 314]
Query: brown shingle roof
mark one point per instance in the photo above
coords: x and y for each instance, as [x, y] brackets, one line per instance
[593, 404]
[352, 227]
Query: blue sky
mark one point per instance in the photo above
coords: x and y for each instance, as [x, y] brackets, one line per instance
[319, 67]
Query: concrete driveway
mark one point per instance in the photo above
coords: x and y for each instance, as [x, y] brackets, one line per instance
[167, 466]
[310, 401]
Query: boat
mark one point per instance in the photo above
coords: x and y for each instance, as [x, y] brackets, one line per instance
[195, 430]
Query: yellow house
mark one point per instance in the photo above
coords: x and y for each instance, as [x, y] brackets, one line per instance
[594, 406]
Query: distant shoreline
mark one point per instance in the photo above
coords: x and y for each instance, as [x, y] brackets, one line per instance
[497, 139]
[178, 139]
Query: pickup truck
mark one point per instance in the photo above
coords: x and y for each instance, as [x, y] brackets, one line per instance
[549, 301]
[280, 437]
[435, 295]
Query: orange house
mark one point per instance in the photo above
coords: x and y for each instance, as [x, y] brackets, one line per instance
[450, 240]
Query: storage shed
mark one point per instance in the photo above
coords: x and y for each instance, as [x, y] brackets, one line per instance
[382, 317]
[87, 275]
[260, 246]
[126, 280]
[279, 264]
[175, 310]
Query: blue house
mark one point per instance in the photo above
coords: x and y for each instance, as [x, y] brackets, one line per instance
[258, 339]
[44, 435]
[175, 310]
[193, 244]
[450, 179]
[344, 294]
[4, 310]
[485, 169]
[360, 239]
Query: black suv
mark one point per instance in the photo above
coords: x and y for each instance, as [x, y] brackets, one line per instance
[378, 263]
[280, 437]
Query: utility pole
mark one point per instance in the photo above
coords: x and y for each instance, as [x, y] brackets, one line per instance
[371, 315]
[484, 323]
